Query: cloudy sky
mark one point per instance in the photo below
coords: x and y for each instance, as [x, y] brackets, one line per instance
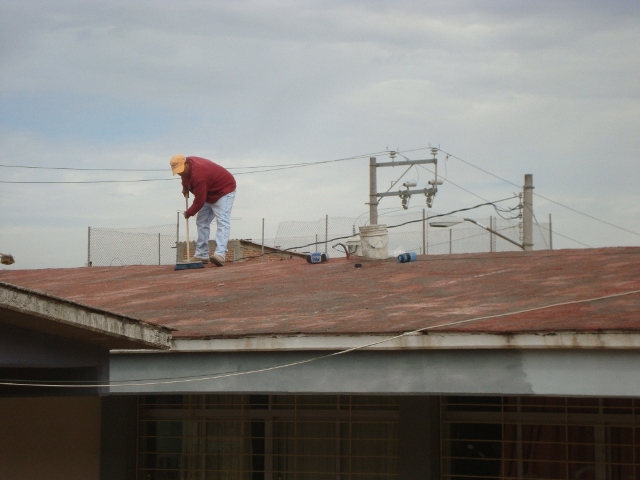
[506, 87]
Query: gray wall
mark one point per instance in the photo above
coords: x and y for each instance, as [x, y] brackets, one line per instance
[493, 372]
[36, 357]
[20, 347]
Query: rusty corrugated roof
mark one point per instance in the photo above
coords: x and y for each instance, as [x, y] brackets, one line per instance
[335, 298]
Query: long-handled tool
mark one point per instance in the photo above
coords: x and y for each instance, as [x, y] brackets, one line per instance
[186, 202]
[188, 264]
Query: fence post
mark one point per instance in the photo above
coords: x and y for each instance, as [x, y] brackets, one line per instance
[424, 233]
[326, 233]
[159, 248]
[550, 234]
[89, 247]
[177, 233]
[492, 238]
[450, 241]
[262, 249]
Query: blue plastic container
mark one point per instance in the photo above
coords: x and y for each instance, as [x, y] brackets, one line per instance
[407, 257]
[317, 257]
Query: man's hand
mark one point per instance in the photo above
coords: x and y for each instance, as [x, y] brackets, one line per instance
[186, 194]
[185, 214]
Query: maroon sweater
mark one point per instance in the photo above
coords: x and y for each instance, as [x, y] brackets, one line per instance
[208, 182]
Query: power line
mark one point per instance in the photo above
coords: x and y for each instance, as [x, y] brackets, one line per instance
[272, 168]
[589, 216]
[478, 168]
[94, 181]
[405, 223]
[269, 167]
[78, 169]
[463, 189]
[266, 168]
[540, 230]
[555, 232]
[543, 197]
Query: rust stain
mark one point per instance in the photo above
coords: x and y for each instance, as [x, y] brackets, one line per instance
[293, 297]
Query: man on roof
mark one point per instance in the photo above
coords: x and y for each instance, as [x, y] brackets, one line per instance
[214, 190]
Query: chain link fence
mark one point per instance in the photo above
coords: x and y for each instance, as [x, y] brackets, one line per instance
[408, 232]
[132, 246]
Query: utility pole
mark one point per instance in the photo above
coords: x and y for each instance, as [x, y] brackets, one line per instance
[373, 189]
[527, 214]
[429, 192]
[525, 227]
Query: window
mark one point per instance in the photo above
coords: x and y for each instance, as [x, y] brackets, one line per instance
[274, 437]
[540, 438]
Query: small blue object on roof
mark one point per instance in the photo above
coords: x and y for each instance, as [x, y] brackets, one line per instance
[407, 257]
[317, 257]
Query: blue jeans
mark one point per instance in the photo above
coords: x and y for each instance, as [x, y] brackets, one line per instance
[221, 212]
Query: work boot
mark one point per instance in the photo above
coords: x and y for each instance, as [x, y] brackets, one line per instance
[217, 260]
[198, 259]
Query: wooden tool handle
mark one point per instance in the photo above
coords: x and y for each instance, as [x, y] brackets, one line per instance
[186, 201]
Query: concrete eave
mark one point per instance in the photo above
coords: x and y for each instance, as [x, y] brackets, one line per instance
[417, 341]
[45, 313]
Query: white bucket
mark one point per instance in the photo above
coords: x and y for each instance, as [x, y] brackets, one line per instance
[374, 240]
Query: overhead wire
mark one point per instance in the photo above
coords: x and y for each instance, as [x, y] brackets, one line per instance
[455, 185]
[291, 249]
[89, 181]
[398, 225]
[468, 191]
[555, 232]
[536, 194]
[271, 168]
[589, 216]
[543, 197]
[546, 244]
[265, 168]
[174, 380]
[80, 169]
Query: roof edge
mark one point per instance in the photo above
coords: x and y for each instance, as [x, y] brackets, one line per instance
[415, 341]
[71, 314]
